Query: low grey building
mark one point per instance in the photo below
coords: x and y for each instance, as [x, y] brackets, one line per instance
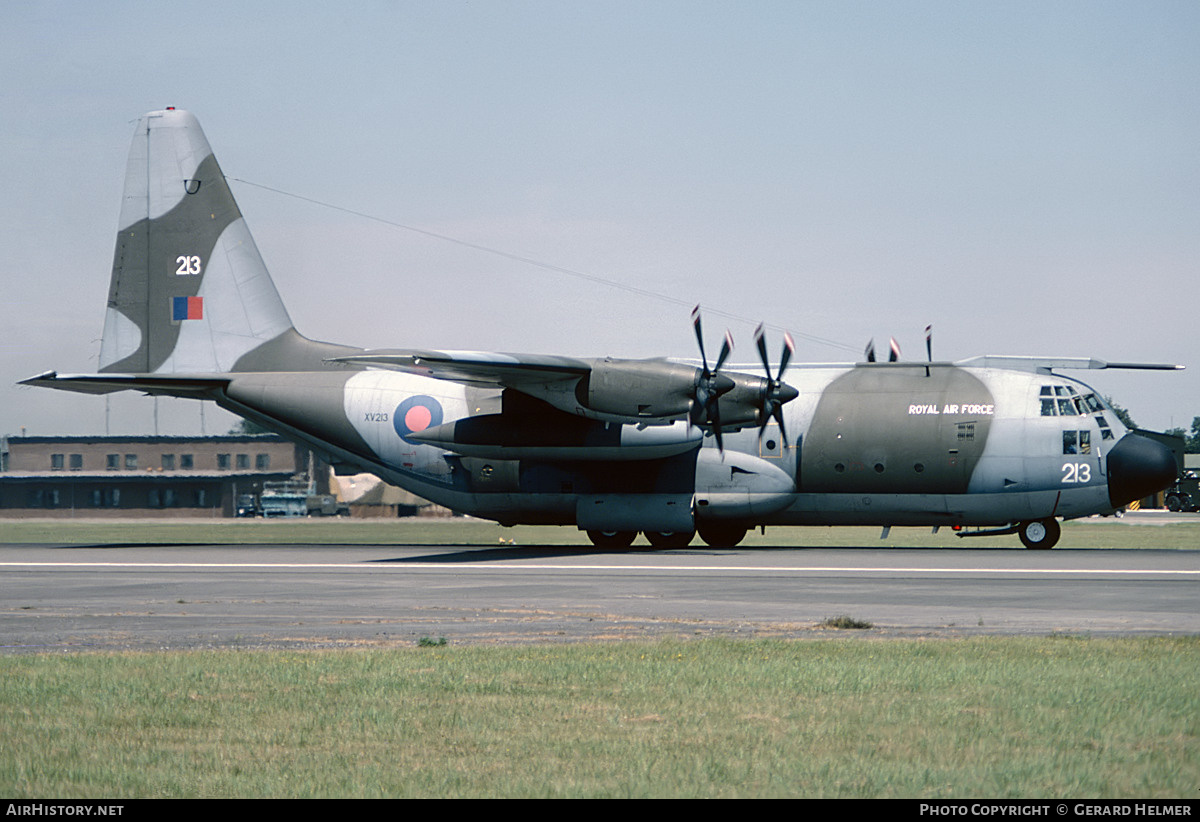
[102, 476]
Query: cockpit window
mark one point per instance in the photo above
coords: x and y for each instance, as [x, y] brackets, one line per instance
[1077, 442]
[1065, 401]
[1048, 405]
[1070, 442]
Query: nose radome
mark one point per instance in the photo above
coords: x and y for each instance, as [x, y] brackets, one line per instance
[1138, 467]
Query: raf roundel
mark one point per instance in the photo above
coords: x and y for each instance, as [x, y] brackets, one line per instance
[416, 414]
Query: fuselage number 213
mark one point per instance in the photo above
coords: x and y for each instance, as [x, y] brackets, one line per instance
[1077, 472]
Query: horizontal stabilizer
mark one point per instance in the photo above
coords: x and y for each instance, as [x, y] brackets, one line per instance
[167, 385]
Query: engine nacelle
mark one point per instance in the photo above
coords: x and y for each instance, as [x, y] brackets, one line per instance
[741, 406]
[638, 389]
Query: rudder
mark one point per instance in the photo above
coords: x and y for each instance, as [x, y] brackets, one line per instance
[189, 293]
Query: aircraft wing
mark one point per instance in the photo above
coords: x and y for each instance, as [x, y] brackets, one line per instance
[640, 392]
[1048, 363]
[479, 368]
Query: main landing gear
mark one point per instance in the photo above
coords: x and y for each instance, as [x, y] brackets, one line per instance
[721, 534]
[715, 535]
[667, 540]
[612, 540]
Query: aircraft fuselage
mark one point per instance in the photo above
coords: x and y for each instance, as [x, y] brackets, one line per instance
[869, 444]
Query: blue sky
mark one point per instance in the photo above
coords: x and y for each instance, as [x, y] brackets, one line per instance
[1024, 176]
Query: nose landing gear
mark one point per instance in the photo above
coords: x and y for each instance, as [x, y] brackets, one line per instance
[1039, 533]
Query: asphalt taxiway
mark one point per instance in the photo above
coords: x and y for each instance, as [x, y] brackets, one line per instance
[57, 597]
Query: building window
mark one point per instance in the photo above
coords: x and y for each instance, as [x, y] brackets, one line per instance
[75, 462]
[201, 498]
[186, 461]
[243, 462]
[131, 462]
[114, 497]
[112, 462]
[56, 462]
[168, 462]
[97, 498]
[42, 498]
[223, 462]
[262, 461]
[152, 500]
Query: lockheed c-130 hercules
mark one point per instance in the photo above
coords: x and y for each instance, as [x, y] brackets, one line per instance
[614, 447]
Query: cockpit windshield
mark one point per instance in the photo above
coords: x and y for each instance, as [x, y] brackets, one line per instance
[1065, 401]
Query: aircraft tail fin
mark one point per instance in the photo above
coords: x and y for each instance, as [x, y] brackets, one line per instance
[189, 291]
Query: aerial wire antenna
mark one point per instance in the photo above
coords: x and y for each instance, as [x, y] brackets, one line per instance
[570, 272]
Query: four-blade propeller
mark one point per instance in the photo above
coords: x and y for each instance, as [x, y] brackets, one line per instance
[775, 392]
[711, 385]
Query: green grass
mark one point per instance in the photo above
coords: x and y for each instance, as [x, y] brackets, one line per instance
[1053, 717]
[1083, 534]
[1016, 717]
[845, 622]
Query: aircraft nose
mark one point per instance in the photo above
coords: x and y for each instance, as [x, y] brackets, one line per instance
[1138, 467]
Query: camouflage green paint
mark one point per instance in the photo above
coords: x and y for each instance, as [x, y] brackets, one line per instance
[879, 430]
[144, 264]
[311, 403]
[292, 351]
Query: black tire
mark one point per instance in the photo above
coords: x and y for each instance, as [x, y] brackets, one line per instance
[721, 534]
[667, 540]
[1040, 533]
[1174, 503]
[614, 540]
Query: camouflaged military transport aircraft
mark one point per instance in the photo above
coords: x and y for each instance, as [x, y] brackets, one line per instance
[615, 447]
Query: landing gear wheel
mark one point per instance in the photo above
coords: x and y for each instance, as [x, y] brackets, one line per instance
[616, 540]
[1040, 533]
[670, 539]
[721, 534]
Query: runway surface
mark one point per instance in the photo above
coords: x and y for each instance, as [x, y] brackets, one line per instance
[197, 596]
